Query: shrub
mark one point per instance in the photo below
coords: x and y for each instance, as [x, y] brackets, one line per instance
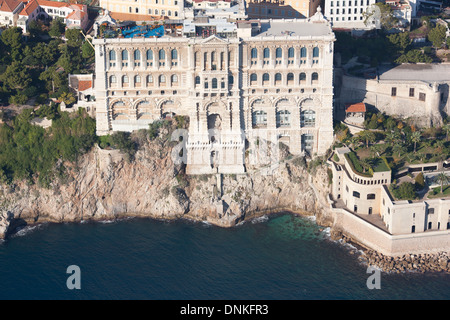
[405, 191]
[419, 181]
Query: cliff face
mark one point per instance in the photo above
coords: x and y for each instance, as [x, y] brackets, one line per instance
[104, 185]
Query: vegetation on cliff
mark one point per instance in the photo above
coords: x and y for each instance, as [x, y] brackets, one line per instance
[30, 152]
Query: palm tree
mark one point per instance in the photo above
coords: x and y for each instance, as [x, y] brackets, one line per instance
[440, 145]
[392, 137]
[443, 179]
[375, 149]
[415, 138]
[365, 163]
[353, 141]
[446, 128]
[398, 148]
[368, 136]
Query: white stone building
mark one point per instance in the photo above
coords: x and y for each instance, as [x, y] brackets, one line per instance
[347, 14]
[9, 12]
[245, 79]
[368, 195]
[416, 91]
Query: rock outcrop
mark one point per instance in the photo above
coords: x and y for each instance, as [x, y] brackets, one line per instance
[106, 185]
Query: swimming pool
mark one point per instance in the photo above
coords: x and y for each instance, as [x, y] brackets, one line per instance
[143, 31]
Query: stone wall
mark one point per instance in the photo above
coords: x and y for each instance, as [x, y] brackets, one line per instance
[378, 93]
[371, 237]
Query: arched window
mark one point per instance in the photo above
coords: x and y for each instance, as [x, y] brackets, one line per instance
[149, 55]
[162, 79]
[302, 78]
[112, 55]
[290, 78]
[315, 52]
[124, 55]
[125, 79]
[137, 55]
[169, 13]
[253, 79]
[254, 53]
[156, 12]
[174, 54]
[308, 118]
[230, 80]
[278, 53]
[259, 118]
[197, 80]
[174, 79]
[266, 77]
[266, 53]
[214, 83]
[112, 79]
[314, 77]
[137, 79]
[162, 54]
[278, 78]
[291, 53]
[303, 52]
[150, 79]
[283, 118]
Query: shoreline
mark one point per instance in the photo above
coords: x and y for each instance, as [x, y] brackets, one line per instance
[415, 263]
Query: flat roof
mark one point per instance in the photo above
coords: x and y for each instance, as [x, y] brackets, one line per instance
[428, 72]
[293, 27]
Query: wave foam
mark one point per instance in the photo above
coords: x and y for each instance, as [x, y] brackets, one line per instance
[263, 218]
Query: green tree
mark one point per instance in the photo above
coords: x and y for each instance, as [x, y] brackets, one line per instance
[16, 76]
[87, 49]
[446, 129]
[365, 163]
[399, 149]
[376, 150]
[415, 138]
[419, 181]
[367, 136]
[414, 56]
[57, 28]
[12, 38]
[74, 38]
[437, 35]
[68, 98]
[401, 41]
[443, 179]
[406, 191]
[382, 12]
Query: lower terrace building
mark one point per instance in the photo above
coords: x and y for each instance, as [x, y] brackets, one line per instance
[234, 80]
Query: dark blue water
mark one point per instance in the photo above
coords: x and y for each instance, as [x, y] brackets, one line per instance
[286, 257]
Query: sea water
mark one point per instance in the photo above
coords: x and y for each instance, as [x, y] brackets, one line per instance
[273, 257]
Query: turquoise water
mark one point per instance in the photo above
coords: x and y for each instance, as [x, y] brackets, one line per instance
[284, 257]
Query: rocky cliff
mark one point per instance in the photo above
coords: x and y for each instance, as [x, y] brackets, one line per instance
[106, 185]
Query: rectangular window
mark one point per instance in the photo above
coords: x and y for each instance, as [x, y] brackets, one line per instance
[394, 91]
[422, 96]
[411, 92]
[430, 210]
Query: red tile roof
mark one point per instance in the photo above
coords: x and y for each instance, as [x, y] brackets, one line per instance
[84, 85]
[9, 5]
[52, 3]
[29, 8]
[357, 107]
